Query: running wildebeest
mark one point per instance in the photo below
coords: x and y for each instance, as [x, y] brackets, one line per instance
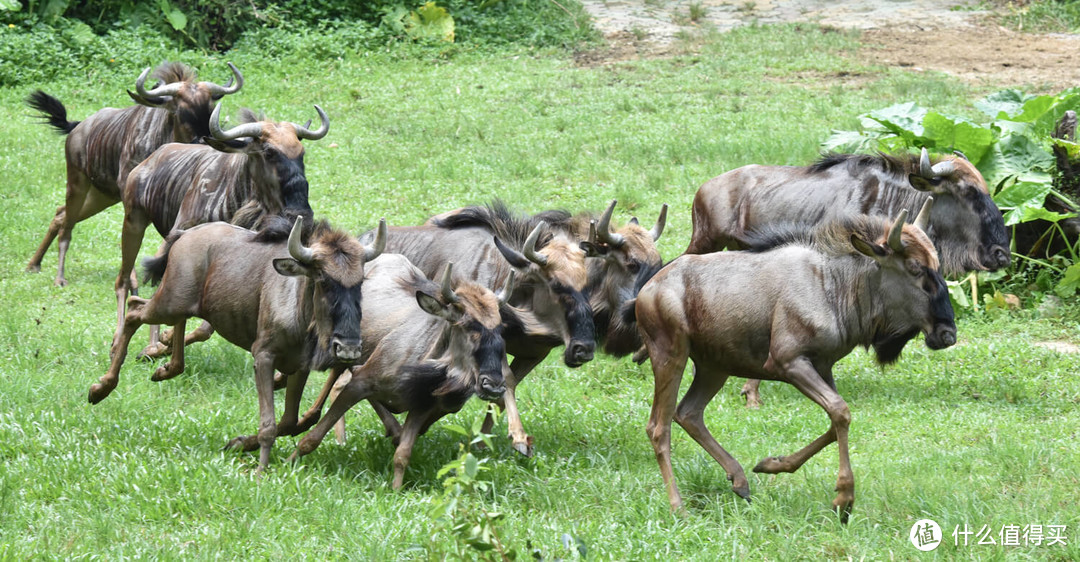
[787, 310]
[427, 348]
[251, 171]
[591, 298]
[966, 226]
[296, 307]
[102, 149]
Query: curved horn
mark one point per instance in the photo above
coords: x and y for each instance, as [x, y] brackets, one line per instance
[894, 232]
[658, 228]
[297, 250]
[925, 170]
[943, 168]
[376, 248]
[923, 219]
[253, 130]
[960, 154]
[530, 246]
[447, 292]
[603, 228]
[160, 90]
[304, 133]
[229, 87]
[508, 288]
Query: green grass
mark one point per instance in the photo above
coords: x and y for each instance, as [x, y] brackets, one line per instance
[982, 433]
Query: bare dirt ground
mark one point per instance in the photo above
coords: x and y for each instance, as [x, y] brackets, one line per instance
[941, 35]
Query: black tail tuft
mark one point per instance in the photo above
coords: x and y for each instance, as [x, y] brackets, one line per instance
[154, 268]
[55, 114]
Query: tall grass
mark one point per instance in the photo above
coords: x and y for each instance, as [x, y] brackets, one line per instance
[982, 433]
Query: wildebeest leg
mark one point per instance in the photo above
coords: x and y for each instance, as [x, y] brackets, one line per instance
[415, 422]
[78, 186]
[264, 385]
[312, 415]
[135, 223]
[137, 311]
[388, 419]
[802, 374]
[520, 441]
[668, 363]
[690, 415]
[354, 391]
[175, 366]
[750, 392]
[34, 265]
[158, 348]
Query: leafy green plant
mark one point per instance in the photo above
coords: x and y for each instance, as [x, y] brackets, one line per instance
[1012, 150]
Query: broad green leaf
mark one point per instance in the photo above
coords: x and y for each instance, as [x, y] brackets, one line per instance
[177, 19]
[80, 33]
[52, 9]
[1003, 104]
[394, 18]
[1021, 193]
[1044, 125]
[1027, 213]
[430, 22]
[1013, 155]
[456, 429]
[10, 5]
[1072, 149]
[1034, 108]
[848, 141]
[958, 294]
[957, 134]
[472, 465]
[902, 119]
[1069, 282]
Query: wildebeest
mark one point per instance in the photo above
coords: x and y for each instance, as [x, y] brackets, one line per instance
[427, 360]
[965, 225]
[102, 149]
[551, 274]
[588, 298]
[787, 313]
[296, 307]
[250, 171]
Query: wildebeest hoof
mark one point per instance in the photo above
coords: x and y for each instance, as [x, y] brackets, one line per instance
[33, 268]
[753, 401]
[162, 373]
[98, 392]
[771, 465]
[843, 507]
[243, 443]
[743, 492]
[60, 282]
[153, 351]
[525, 448]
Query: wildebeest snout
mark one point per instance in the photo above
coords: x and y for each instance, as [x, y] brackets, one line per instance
[942, 336]
[997, 258]
[578, 353]
[492, 387]
[346, 349]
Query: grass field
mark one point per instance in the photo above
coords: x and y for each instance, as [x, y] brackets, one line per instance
[984, 433]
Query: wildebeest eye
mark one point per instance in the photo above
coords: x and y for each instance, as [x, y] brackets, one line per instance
[633, 267]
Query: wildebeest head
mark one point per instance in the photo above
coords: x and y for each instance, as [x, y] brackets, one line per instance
[333, 263]
[627, 258]
[556, 274]
[961, 192]
[912, 291]
[275, 156]
[188, 101]
[474, 340]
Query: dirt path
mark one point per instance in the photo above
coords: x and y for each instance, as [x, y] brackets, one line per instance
[941, 35]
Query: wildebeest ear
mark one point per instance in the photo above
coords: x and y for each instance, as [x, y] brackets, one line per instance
[865, 248]
[228, 146]
[923, 184]
[592, 250]
[291, 268]
[432, 306]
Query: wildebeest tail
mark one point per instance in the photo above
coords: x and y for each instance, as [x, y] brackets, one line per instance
[154, 268]
[54, 112]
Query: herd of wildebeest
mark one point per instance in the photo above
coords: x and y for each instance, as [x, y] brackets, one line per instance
[788, 270]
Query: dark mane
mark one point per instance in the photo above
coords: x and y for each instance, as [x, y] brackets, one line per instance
[894, 165]
[276, 228]
[169, 72]
[833, 238]
[512, 228]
